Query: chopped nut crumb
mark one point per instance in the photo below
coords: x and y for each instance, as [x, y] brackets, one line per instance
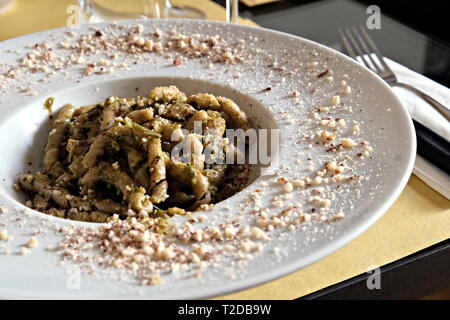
[288, 187]
[297, 183]
[347, 90]
[348, 143]
[295, 93]
[24, 251]
[327, 136]
[335, 100]
[4, 235]
[32, 243]
[321, 201]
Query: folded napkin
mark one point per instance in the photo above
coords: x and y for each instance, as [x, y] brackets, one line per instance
[426, 115]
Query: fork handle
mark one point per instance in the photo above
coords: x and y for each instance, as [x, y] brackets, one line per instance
[434, 103]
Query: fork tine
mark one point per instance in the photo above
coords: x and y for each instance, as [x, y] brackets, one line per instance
[358, 50]
[346, 44]
[366, 51]
[375, 49]
[356, 47]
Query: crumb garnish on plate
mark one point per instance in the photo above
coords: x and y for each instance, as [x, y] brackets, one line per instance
[195, 241]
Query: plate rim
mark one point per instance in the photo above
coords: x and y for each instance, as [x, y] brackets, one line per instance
[338, 242]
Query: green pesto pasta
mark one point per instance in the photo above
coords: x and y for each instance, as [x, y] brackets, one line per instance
[113, 159]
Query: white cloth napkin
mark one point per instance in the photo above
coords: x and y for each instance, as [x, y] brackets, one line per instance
[422, 112]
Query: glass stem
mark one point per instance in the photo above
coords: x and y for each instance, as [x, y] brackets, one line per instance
[155, 8]
[232, 13]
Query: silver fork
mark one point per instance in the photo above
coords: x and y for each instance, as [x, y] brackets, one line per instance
[359, 44]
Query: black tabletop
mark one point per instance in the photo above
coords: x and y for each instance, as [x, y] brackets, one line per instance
[402, 37]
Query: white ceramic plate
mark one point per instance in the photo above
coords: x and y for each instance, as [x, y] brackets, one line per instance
[383, 122]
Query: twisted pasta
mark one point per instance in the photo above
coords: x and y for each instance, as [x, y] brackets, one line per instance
[115, 158]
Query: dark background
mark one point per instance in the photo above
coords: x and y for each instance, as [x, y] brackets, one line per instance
[431, 17]
[426, 51]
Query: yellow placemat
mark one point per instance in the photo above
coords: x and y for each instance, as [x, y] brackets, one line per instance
[27, 16]
[418, 219]
[252, 3]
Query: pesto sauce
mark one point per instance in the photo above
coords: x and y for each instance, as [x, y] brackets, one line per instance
[48, 104]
